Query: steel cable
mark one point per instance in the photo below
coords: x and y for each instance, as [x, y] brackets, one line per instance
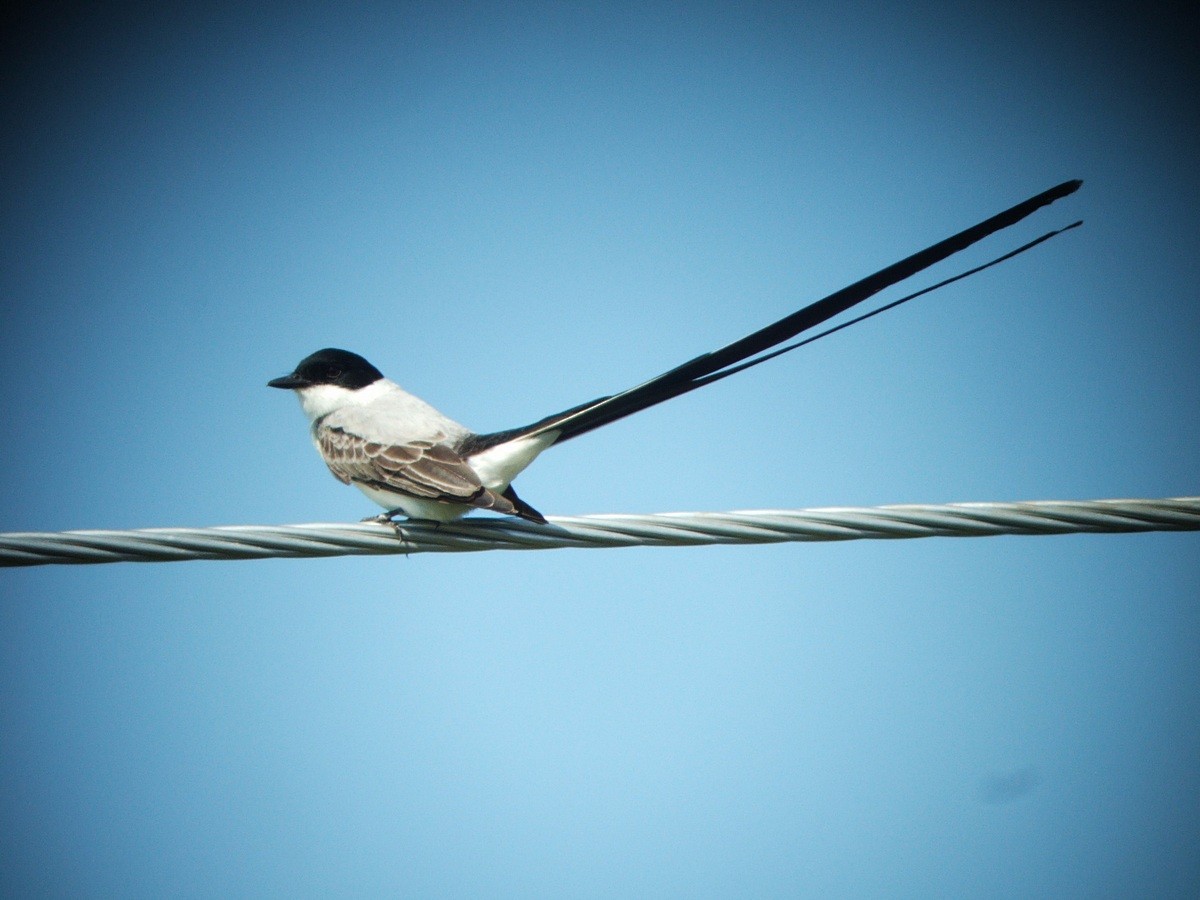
[660, 530]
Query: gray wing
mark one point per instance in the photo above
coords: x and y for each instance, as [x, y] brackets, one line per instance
[421, 468]
[418, 468]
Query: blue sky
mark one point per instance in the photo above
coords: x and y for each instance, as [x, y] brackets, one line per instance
[511, 209]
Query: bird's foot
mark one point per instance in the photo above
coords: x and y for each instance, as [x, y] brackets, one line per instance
[381, 519]
[388, 518]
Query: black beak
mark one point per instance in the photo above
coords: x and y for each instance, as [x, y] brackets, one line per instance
[288, 382]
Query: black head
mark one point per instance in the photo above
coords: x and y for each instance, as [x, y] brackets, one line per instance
[329, 366]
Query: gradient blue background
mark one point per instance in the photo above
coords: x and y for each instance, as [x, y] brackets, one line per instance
[514, 208]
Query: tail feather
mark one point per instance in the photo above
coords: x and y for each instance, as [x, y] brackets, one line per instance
[521, 508]
[712, 366]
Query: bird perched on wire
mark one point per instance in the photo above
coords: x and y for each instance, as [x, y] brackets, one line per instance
[413, 460]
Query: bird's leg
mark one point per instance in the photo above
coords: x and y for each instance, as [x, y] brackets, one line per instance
[382, 519]
[385, 518]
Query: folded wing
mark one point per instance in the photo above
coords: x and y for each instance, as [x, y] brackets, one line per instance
[425, 469]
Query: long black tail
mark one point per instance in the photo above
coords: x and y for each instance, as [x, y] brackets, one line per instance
[721, 363]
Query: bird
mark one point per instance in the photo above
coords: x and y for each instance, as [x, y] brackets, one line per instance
[413, 460]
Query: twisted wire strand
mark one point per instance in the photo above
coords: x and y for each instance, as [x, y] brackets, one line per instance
[660, 530]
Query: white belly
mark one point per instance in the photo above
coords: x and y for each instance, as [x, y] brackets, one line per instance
[415, 507]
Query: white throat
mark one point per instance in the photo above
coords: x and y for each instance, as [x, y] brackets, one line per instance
[321, 399]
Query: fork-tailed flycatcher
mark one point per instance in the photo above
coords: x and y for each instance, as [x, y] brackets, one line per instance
[412, 460]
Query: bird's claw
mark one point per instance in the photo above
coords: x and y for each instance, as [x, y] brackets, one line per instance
[381, 519]
[386, 519]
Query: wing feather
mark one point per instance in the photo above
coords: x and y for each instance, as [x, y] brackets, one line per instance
[419, 468]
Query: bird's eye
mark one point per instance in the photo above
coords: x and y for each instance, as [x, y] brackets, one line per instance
[333, 373]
